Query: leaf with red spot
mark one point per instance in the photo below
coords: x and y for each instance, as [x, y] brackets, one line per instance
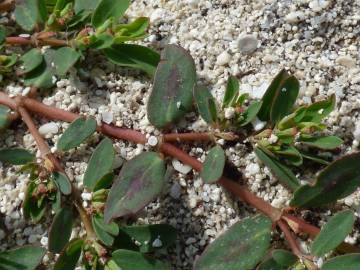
[140, 181]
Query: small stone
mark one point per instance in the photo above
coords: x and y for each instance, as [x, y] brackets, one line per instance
[152, 141]
[229, 113]
[193, 202]
[295, 17]
[181, 168]
[175, 190]
[49, 128]
[157, 243]
[86, 196]
[107, 117]
[346, 61]
[223, 58]
[258, 124]
[32, 239]
[247, 44]
[356, 131]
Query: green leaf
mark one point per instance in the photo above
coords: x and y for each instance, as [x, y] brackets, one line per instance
[60, 229]
[250, 113]
[344, 262]
[338, 180]
[290, 153]
[132, 31]
[214, 165]
[31, 60]
[270, 264]
[78, 131]
[2, 34]
[28, 13]
[23, 258]
[284, 257]
[101, 41]
[206, 104]
[85, 5]
[61, 60]
[70, 255]
[100, 163]
[4, 117]
[105, 182]
[241, 247]
[140, 181]
[231, 92]
[105, 232]
[16, 156]
[134, 56]
[333, 233]
[131, 260]
[314, 158]
[63, 182]
[279, 98]
[31, 208]
[141, 237]
[40, 77]
[318, 110]
[172, 93]
[107, 9]
[281, 172]
[326, 142]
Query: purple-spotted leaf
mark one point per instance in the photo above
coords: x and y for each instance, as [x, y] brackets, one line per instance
[172, 93]
[333, 233]
[336, 181]
[214, 165]
[76, 133]
[241, 247]
[344, 262]
[140, 182]
[60, 230]
[206, 104]
[16, 156]
[70, 255]
[100, 163]
[325, 142]
[63, 182]
[131, 260]
[23, 258]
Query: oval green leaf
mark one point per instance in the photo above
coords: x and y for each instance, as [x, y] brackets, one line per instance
[206, 104]
[231, 92]
[145, 238]
[24, 258]
[60, 229]
[172, 93]
[107, 9]
[284, 257]
[62, 60]
[134, 56]
[336, 181]
[16, 156]
[214, 165]
[344, 262]
[241, 247]
[270, 264]
[326, 142]
[27, 13]
[140, 181]
[63, 182]
[333, 233]
[131, 260]
[70, 255]
[78, 131]
[250, 113]
[281, 172]
[32, 207]
[31, 60]
[100, 163]
[105, 232]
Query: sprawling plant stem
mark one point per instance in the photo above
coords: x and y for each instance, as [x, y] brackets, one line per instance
[296, 224]
[36, 42]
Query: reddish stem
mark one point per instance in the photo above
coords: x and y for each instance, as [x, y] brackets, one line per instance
[28, 41]
[294, 245]
[183, 137]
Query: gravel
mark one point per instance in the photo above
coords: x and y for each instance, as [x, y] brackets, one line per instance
[317, 40]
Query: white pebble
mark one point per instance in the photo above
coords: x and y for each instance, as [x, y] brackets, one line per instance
[175, 190]
[86, 196]
[247, 44]
[345, 61]
[258, 124]
[181, 168]
[107, 117]
[223, 58]
[229, 113]
[152, 141]
[157, 243]
[49, 128]
[356, 131]
[294, 17]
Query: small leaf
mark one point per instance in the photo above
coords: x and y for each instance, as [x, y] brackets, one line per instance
[283, 257]
[326, 142]
[318, 110]
[140, 181]
[2, 34]
[314, 158]
[16, 156]
[70, 255]
[31, 207]
[100, 163]
[281, 172]
[290, 153]
[135, 56]
[63, 59]
[214, 165]
[40, 77]
[23, 258]
[31, 60]
[338, 180]
[231, 92]
[85, 5]
[105, 182]
[250, 113]
[344, 262]
[172, 93]
[132, 31]
[270, 264]
[241, 247]
[131, 260]
[333, 233]
[63, 182]
[27, 13]
[105, 232]
[107, 9]
[4, 117]
[60, 230]
[206, 104]
[130, 237]
[76, 133]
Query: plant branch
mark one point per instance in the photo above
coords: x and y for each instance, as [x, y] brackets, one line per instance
[294, 245]
[36, 42]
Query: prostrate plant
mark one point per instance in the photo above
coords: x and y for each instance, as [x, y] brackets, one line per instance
[108, 243]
